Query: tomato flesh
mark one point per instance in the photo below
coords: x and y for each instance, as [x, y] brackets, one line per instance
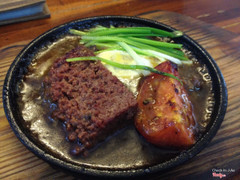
[165, 117]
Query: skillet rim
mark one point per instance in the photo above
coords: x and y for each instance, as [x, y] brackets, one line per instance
[178, 160]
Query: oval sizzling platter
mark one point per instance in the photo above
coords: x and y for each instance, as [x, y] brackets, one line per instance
[126, 154]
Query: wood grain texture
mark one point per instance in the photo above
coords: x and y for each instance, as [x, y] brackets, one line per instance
[222, 13]
[16, 162]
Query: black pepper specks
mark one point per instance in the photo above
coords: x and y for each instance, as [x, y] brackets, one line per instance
[146, 101]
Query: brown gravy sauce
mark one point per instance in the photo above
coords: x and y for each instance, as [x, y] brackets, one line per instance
[126, 149]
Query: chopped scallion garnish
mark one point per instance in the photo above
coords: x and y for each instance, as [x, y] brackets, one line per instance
[136, 41]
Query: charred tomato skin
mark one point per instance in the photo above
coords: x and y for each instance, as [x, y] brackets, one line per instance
[165, 117]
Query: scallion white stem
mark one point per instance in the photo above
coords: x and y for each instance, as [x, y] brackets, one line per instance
[138, 59]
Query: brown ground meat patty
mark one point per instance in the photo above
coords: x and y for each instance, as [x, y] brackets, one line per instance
[90, 101]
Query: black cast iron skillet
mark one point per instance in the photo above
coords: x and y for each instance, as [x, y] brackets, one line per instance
[20, 67]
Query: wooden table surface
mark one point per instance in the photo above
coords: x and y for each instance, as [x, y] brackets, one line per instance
[213, 24]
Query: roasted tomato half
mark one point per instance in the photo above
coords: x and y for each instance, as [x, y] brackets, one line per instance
[165, 117]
